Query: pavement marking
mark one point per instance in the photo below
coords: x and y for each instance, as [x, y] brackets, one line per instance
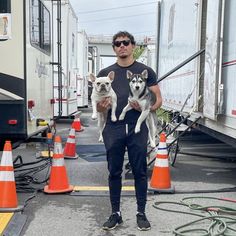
[100, 188]
[4, 220]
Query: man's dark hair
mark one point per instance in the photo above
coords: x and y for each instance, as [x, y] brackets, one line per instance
[123, 34]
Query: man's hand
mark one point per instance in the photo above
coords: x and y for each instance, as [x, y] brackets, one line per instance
[104, 104]
[135, 105]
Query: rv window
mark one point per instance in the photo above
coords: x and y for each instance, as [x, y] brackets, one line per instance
[5, 6]
[45, 42]
[40, 26]
[35, 23]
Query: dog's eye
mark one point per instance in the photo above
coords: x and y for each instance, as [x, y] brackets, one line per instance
[98, 83]
[107, 83]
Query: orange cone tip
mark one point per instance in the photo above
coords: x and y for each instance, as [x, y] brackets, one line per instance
[57, 139]
[7, 146]
[49, 135]
[162, 137]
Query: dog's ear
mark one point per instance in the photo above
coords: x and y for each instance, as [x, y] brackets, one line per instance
[92, 77]
[145, 74]
[129, 74]
[111, 75]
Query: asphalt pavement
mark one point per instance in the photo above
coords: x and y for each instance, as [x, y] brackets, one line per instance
[204, 174]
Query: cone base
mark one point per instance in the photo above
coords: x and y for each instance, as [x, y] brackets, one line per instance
[80, 130]
[72, 157]
[67, 190]
[15, 209]
[163, 190]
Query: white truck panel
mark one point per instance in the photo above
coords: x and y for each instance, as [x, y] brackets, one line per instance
[184, 25]
[178, 41]
[212, 59]
[82, 70]
[69, 23]
[229, 60]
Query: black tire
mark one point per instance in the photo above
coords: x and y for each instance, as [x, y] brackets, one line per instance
[172, 152]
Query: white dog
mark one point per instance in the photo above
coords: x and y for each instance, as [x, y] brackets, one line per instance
[101, 89]
[140, 93]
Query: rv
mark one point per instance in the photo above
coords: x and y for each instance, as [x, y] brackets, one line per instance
[65, 96]
[25, 69]
[205, 86]
[82, 70]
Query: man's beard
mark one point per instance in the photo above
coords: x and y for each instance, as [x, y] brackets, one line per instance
[123, 56]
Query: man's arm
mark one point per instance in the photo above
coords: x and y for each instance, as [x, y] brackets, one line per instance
[156, 90]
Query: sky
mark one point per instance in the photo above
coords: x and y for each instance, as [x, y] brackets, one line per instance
[107, 17]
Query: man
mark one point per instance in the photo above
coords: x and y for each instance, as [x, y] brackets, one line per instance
[120, 135]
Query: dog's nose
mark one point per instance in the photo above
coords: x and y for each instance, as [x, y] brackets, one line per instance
[137, 87]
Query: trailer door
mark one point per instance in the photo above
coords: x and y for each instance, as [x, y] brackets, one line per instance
[213, 57]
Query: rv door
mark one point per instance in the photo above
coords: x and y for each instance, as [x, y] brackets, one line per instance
[213, 57]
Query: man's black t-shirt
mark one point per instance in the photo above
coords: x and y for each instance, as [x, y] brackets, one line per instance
[121, 87]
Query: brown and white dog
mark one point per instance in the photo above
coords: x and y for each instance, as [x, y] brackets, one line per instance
[101, 89]
[140, 93]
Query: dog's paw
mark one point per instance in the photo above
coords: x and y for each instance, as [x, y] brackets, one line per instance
[113, 118]
[137, 129]
[100, 139]
[121, 117]
[94, 116]
[152, 144]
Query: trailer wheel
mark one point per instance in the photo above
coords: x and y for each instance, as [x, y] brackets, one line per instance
[173, 151]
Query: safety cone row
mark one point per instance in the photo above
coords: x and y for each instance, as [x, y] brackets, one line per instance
[8, 196]
[49, 142]
[77, 125]
[161, 180]
[70, 147]
[58, 180]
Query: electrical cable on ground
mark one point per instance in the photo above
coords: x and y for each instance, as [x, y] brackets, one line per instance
[26, 178]
[222, 219]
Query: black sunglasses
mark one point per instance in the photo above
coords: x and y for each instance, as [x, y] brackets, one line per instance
[124, 42]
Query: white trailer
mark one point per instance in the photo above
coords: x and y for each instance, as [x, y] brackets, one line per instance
[207, 83]
[65, 83]
[82, 70]
[148, 57]
[25, 69]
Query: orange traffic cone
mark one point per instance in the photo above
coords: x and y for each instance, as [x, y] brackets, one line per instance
[77, 125]
[160, 180]
[49, 138]
[70, 148]
[8, 196]
[58, 181]
[49, 142]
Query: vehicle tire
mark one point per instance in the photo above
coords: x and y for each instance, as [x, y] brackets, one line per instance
[172, 152]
